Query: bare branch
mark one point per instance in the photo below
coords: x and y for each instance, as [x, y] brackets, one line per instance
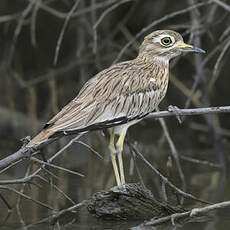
[61, 213]
[156, 22]
[101, 18]
[62, 15]
[190, 112]
[55, 166]
[222, 4]
[216, 67]
[58, 189]
[197, 161]
[90, 148]
[174, 153]
[192, 213]
[18, 30]
[33, 23]
[10, 17]
[60, 38]
[26, 152]
[26, 197]
[166, 181]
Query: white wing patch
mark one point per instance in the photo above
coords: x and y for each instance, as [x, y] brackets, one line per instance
[152, 80]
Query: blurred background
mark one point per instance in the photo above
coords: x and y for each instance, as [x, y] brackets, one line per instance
[50, 48]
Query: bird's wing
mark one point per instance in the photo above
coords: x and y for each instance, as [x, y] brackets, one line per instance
[118, 94]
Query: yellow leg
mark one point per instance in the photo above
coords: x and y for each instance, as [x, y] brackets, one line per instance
[113, 156]
[119, 147]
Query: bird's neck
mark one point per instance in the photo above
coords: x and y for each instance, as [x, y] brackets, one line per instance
[156, 73]
[154, 60]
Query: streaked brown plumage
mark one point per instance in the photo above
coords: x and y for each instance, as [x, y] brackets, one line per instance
[121, 95]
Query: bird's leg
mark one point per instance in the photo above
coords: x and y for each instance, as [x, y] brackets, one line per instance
[113, 156]
[119, 147]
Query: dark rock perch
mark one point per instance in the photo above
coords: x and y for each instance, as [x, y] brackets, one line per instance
[131, 201]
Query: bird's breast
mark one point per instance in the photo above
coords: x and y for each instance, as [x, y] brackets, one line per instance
[158, 85]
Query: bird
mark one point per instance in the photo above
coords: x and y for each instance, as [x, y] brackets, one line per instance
[120, 96]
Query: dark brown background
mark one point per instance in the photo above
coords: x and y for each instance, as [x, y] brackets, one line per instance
[33, 89]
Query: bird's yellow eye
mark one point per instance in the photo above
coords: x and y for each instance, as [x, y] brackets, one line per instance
[166, 41]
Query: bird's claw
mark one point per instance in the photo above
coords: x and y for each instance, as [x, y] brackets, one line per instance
[120, 188]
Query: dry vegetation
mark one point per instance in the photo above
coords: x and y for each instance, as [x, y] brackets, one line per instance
[49, 48]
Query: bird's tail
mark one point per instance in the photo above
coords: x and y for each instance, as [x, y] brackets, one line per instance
[40, 138]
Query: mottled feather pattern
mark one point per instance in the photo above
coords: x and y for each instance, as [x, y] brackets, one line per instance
[119, 95]
[123, 90]
[114, 96]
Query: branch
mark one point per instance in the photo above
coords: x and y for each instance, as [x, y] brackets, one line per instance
[222, 4]
[55, 166]
[192, 213]
[188, 112]
[89, 9]
[18, 29]
[53, 219]
[26, 152]
[27, 197]
[102, 17]
[60, 38]
[158, 21]
[165, 179]
[174, 153]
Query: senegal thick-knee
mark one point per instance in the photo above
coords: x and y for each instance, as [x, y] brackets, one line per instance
[120, 96]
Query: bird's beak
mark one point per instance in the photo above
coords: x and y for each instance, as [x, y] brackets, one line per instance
[189, 48]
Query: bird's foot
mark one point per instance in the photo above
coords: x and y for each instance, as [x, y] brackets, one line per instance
[120, 188]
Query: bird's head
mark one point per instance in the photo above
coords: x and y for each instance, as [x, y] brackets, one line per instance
[165, 44]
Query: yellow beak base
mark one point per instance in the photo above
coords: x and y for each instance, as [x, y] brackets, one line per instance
[189, 48]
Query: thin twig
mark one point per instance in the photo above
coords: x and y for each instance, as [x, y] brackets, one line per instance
[33, 23]
[90, 148]
[9, 209]
[62, 15]
[136, 166]
[158, 21]
[17, 31]
[166, 181]
[61, 213]
[19, 199]
[197, 161]
[204, 128]
[60, 38]
[192, 213]
[26, 152]
[9, 166]
[174, 154]
[59, 190]
[56, 167]
[26, 197]
[216, 67]
[101, 18]
[222, 4]
[9, 17]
